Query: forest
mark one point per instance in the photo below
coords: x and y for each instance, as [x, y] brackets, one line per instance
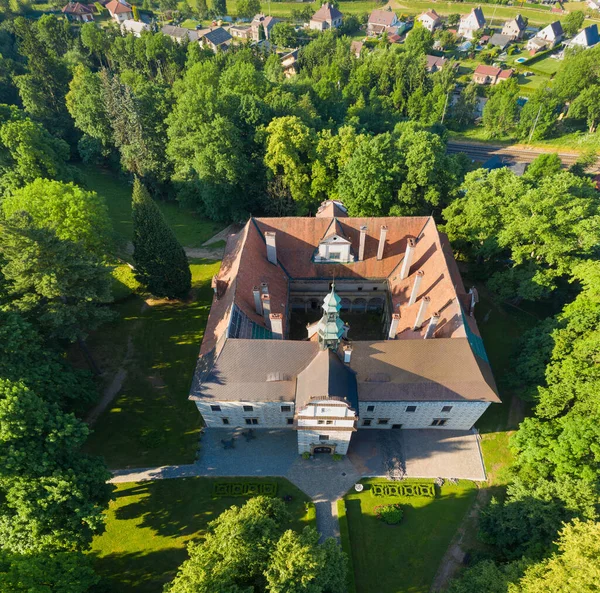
[228, 136]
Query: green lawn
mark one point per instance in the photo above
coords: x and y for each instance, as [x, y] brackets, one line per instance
[151, 422]
[149, 524]
[403, 558]
[191, 230]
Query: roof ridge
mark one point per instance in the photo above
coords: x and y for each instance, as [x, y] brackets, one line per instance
[265, 242]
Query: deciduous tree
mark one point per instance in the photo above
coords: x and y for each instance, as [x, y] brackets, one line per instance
[72, 213]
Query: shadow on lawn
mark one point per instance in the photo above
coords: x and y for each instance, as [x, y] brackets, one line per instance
[139, 572]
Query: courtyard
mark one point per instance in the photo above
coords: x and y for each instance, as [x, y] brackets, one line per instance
[383, 453]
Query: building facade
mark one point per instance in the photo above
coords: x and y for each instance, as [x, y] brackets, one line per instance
[422, 364]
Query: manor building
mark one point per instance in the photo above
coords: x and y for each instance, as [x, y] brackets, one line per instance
[330, 324]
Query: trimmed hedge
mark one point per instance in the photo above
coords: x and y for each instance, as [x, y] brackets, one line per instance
[245, 489]
[403, 489]
[345, 543]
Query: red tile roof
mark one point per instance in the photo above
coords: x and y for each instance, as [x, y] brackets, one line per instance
[485, 70]
[117, 7]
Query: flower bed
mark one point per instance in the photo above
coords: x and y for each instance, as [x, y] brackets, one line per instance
[389, 513]
[244, 489]
[403, 489]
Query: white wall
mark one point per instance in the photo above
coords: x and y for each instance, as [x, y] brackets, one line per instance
[462, 416]
[269, 414]
[307, 439]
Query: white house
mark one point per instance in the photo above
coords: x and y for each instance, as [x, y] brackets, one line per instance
[380, 21]
[471, 23]
[515, 28]
[547, 38]
[430, 20]
[327, 17]
[586, 38]
[136, 28]
[422, 365]
[120, 10]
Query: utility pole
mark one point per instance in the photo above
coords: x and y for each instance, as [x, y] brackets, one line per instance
[534, 124]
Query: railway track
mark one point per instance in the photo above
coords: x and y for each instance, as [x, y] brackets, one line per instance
[483, 152]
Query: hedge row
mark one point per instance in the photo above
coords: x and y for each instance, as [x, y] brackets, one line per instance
[245, 489]
[402, 489]
[345, 542]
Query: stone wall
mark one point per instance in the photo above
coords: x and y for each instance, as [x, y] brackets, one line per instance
[462, 416]
[267, 414]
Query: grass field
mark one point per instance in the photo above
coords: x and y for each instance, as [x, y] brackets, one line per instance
[149, 524]
[151, 422]
[403, 558]
[190, 229]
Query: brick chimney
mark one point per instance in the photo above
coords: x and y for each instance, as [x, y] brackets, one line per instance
[257, 301]
[361, 245]
[421, 314]
[415, 289]
[408, 257]
[277, 325]
[266, 306]
[394, 326]
[432, 325]
[382, 236]
[271, 247]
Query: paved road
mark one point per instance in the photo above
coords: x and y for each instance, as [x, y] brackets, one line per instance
[516, 153]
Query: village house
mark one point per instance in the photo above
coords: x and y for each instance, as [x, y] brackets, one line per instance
[547, 38]
[411, 356]
[356, 48]
[215, 39]
[327, 17]
[120, 11]
[499, 40]
[241, 32]
[471, 23]
[289, 63]
[266, 23]
[381, 21]
[490, 74]
[75, 11]
[593, 4]
[435, 63]
[135, 28]
[515, 28]
[586, 38]
[430, 20]
[180, 34]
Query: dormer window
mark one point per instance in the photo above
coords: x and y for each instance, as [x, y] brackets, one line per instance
[334, 246]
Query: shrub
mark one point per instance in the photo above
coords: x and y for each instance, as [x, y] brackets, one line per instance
[337, 457]
[306, 455]
[245, 489]
[389, 513]
[403, 489]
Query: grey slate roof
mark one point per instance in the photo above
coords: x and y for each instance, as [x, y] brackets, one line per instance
[245, 371]
[179, 32]
[326, 376]
[218, 36]
[500, 40]
[439, 369]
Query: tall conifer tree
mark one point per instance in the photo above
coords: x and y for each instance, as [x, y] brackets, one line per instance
[160, 261]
